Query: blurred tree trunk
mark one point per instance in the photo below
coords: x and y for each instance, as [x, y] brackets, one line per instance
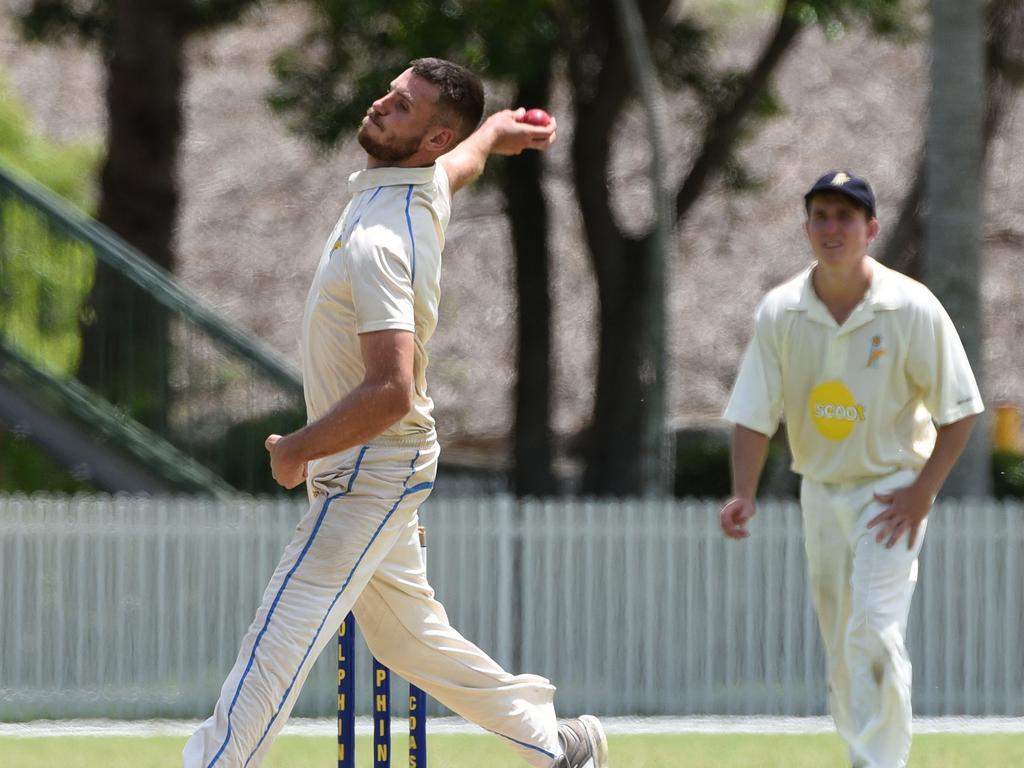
[903, 249]
[125, 344]
[528, 218]
[654, 471]
[125, 339]
[1004, 74]
[622, 264]
[954, 186]
[628, 274]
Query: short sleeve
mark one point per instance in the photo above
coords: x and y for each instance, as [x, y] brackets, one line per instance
[939, 368]
[381, 278]
[756, 400]
[443, 197]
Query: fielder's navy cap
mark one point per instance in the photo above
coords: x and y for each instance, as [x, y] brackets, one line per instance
[853, 187]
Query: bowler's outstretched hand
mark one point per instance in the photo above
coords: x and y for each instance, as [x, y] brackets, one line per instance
[734, 517]
[288, 472]
[503, 133]
[512, 134]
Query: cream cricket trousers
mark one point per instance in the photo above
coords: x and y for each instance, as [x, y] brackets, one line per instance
[357, 549]
[862, 594]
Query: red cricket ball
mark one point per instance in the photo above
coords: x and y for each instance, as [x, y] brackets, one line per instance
[536, 117]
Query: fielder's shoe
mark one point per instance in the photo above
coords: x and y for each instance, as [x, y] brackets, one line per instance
[583, 742]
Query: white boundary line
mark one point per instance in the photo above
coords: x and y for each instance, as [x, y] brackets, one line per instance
[326, 727]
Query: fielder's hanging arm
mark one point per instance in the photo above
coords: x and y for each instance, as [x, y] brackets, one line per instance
[908, 506]
[385, 394]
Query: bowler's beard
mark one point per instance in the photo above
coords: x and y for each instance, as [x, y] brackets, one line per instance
[387, 153]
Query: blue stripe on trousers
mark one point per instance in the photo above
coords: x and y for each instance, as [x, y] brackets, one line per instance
[277, 599]
[524, 744]
[406, 491]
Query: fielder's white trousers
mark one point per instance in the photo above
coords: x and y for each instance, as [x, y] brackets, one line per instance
[357, 549]
[862, 594]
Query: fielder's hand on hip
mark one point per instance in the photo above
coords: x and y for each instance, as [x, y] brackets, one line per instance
[287, 471]
[906, 508]
[734, 517]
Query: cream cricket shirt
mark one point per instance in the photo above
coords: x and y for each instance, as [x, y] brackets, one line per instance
[859, 399]
[379, 270]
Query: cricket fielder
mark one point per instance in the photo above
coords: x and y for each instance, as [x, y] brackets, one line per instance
[369, 452]
[879, 400]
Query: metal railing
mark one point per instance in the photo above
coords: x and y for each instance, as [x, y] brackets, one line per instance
[120, 607]
[216, 383]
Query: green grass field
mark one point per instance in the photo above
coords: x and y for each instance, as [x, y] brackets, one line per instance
[456, 751]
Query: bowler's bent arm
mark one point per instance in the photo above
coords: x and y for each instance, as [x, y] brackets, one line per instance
[500, 134]
[383, 397]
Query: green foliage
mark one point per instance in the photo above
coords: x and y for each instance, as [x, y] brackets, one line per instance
[894, 19]
[326, 82]
[886, 18]
[732, 11]
[44, 281]
[737, 177]
[68, 170]
[44, 277]
[56, 19]
[240, 457]
[94, 20]
[202, 15]
[702, 466]
[26, 469]
[1007, 475]
[681, 54]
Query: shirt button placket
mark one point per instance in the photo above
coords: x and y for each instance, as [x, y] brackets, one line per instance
[835, 362]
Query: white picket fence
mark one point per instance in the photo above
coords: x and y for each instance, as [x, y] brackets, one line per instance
[123, 607]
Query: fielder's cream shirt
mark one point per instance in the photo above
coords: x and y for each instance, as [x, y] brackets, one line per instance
[380, 270]
[859, 399]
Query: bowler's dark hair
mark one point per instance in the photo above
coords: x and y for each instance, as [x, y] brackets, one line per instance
[461, 93]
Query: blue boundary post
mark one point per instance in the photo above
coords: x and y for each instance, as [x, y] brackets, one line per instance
[381, 703]
[346, 694]
[381, 715]
[418, 700]
[417, 728]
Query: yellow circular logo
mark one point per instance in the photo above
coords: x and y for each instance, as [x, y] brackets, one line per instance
[833, 410]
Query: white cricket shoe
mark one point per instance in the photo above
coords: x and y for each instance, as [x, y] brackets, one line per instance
[583, 743]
